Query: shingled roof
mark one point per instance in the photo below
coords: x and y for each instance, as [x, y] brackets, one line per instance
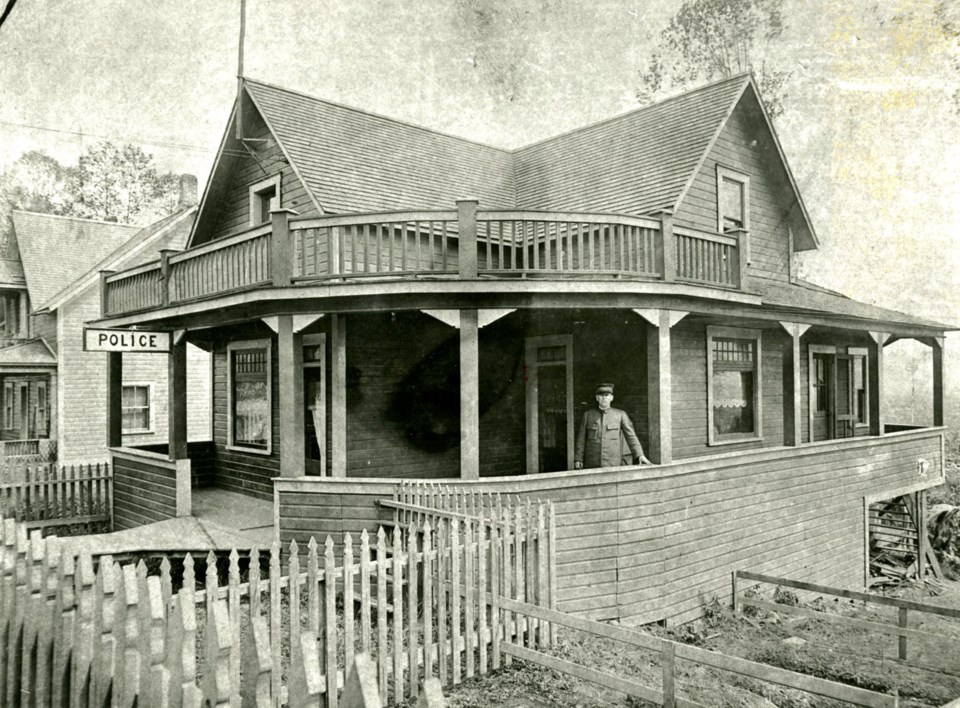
[351, 160]
[46, 241]
[803, 297]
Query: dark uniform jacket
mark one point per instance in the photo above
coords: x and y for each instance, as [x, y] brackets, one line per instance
[599, 441]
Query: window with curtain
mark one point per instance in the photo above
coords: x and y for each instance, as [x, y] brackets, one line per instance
[734, 382]
[250, 397]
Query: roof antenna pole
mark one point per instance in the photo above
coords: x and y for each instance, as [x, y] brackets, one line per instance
[243, 26]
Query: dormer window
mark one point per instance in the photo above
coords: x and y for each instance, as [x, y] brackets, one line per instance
[264, 197]
[733, 200]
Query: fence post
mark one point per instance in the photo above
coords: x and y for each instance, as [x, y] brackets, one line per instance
[255, 677]
[82, 638]
[667, 662]
[412, 635]
[47, 641]
[63, 619]
[216, 679]
[330, 624]
[902, 641]
[104, 636]
[736, 593]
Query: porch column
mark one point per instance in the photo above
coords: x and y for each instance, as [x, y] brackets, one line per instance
[290, 364]
[114, 399]
[937, 345]
[660, 383]
[338, 396]
[876, 381]
[177, 399]
[792, 385]
[469, 395]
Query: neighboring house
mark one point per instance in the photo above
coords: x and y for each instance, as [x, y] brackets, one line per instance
[386, 302]
[64, 401]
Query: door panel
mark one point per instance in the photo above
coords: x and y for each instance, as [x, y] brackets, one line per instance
[549, 403]
[552, 417]
[843, 396]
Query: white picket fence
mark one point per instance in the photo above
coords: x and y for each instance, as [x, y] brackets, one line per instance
[422, 604]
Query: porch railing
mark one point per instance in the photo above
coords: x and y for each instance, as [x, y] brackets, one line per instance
[464, 243]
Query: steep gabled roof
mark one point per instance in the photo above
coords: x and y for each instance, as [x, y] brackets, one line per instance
[635, 163]
[351, 160]
[169, 232]
[56, 250]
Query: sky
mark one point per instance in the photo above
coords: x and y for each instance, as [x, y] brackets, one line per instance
[868, 127]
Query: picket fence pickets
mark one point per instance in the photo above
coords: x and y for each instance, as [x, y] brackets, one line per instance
[419, 602]
[48, 495]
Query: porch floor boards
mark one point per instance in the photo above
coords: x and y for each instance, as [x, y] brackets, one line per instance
[221, 521]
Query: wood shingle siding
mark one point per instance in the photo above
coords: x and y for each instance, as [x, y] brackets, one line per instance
[652, 543]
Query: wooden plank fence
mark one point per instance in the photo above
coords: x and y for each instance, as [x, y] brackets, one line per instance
[901, 629]
[48, 495]
[419, 603]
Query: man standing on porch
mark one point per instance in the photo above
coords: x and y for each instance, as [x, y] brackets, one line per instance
[602, 433]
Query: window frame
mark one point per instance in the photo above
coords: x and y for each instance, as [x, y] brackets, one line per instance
[267, 345]
[9, 403]
[256, 197]
[860, 354]
[150, 429]
[726, 173]
[755, 335]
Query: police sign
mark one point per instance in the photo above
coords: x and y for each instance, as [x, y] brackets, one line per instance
[125, 340]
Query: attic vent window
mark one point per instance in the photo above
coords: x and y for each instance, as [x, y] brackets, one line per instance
[733, 200]
[264, 197]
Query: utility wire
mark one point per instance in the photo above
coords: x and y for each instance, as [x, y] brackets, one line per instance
[7, 10]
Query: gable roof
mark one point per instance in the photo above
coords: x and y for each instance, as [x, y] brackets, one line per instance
[54, 250]
[637, 163]
[170, 232]
[804, 297]
[351, 160]
[640, 162]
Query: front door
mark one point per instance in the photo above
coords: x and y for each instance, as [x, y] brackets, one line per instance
[549, 376]
[843, 398]
[315, 403]
[822, 396]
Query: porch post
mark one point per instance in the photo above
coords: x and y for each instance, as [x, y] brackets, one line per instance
[177, 399]
[467, 237]
[114, 399]
[281, 246]
[338, 396]
[669, 254]
[469, 395]
[290, 364]
[792, 385]
[660, 382]
[876, 381]
[937, 345]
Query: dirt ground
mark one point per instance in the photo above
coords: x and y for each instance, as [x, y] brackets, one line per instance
[929, 677]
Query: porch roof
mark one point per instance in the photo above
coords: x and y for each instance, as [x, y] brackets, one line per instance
[804, 297]
[30, 353]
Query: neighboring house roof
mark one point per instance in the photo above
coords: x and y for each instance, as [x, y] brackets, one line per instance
[807, 297]
[171, 232]
[54, 250]
[11, 273]
[32, 353]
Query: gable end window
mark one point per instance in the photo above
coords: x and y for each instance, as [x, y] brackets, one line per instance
[733, 200]
[733, 385]
[264, 197]
[136, 414]
[250, 405]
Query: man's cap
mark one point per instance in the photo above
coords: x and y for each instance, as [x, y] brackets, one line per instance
[604, 388]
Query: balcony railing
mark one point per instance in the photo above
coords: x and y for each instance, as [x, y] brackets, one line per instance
[464, 243]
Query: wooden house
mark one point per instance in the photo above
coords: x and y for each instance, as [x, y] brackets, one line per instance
[52, 395]
[385, 302]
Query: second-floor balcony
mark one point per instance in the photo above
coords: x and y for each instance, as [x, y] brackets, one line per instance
[464, 243]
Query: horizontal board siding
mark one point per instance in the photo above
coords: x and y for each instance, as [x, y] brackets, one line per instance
[142, 493]
[656, 545]
[746, 146]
